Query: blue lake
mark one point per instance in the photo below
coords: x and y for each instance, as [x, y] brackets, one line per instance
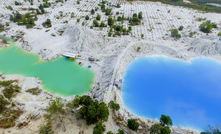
[188, 91]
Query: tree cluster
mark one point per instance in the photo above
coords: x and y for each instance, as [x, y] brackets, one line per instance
[174, 33]
[163, 127]
[136, 19]
[207, 26]
[92, 111]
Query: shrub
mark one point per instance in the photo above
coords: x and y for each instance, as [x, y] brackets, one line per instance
[17, 3]
[118, 5]
[117, 13]
[47, 23]
[98, 17]
[72, 15]
[82, 23]
[192, 33]
[138, 48]
[99, 128]
[177, 36]
[78, 2]
[10, 7]
[132, 124]
[6, 23]
[140, 15]
[46, 129]
[27, 15]
[56, 106]
[92, 11]
[86, 17]
[119, 18]
[142, 35]
[219, 34]
[110, 132]
[13, 104]
[181, 28]
[96, 8]
[120, 131]
[78, 20]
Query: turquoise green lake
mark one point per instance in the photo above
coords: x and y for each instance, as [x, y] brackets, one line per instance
[61, 76]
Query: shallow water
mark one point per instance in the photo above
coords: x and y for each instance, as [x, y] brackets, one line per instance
[61, 76]
[189, 92]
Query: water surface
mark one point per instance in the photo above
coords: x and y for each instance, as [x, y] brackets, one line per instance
[61, 76]
[189, 92]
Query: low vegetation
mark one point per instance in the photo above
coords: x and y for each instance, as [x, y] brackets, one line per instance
[46, 129]
[47, 23]
[2, 27]
[34, 91]
[195, 4]
[8, 115]
[219, 34]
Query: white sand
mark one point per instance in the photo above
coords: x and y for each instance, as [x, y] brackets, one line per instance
[114, 54]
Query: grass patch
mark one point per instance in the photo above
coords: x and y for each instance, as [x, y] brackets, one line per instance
[2, 27]
[34, 91]
[9, 119]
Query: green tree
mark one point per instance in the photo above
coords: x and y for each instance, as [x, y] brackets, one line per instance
[99, 128]
[78, 20]
[31, 21]
[174, 32]
[132, 124]
[37, 11]
[109, 132]
[155, 129]
[17, 15]
[181, 28]
[119, 18]
[92, 11]
[85, 100]
[165, 130]
[95, 23]
[12, 18]
[120, 131]
[114, 106]
[140, 15]
[110, 21]
[27, 15]
[166, 120]
[177, 36]
[24, 20]
[219, 34]
[135, 15]
[86, 17]
[98, 17]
